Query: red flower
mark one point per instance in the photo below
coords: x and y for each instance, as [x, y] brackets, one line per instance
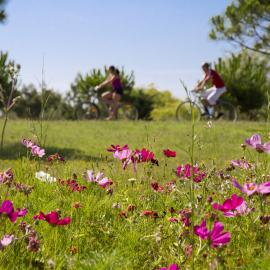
[72, 185]
[53, 218]
[156, 187]
[131, 207]
[169, 153]
[123, 214]
[55, 156]
[149, 213]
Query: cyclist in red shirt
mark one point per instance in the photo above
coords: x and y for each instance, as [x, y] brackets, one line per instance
[211, 95]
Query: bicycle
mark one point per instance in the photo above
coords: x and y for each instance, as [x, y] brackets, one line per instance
[222, 110]
[91, 109]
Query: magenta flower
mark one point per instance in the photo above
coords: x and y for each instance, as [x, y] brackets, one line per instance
[235, 206]
[184, 216]
[184, 172]
[201, 230]
[216, 237]
[171, 267]
[169, 153]
[8, 209]
[173, 219]
[255, 142]
[53, 218]
[146, 155]
[252, 188]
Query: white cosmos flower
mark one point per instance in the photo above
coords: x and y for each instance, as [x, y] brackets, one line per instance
[45, 177]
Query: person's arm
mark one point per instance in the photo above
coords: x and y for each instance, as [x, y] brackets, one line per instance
[105, 83]
[202, 83]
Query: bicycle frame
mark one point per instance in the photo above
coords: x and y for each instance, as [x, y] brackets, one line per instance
[195, 97]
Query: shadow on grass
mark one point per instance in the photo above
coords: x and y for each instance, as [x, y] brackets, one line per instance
[17, 150]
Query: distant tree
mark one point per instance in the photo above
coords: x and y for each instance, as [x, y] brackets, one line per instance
[2, 11]
[6, 83]
[245, 23]
[246, 78]
[30, 104]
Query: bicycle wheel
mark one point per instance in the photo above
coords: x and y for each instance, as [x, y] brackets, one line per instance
[185, 110]
[127, 112]
[227, 110]
[91, 111]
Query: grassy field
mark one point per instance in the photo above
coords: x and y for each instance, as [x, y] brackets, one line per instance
[107, 228]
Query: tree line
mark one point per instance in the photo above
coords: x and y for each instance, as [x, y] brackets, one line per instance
[246, 73]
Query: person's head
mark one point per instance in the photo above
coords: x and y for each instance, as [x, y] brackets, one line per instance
[117, 72]
[112, 70]
[205, 67]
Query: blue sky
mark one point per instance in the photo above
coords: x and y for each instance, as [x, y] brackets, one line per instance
[160, 40]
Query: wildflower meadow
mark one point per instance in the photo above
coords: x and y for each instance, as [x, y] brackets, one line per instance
[135, 195]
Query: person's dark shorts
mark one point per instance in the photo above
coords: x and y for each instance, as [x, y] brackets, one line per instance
[119, 91]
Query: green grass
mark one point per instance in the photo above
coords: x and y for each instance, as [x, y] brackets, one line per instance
[100, 237]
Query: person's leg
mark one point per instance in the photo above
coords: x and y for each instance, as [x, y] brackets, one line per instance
[213, 99]
[215, 95]
[204, 100]
[107, 97]
[115, 98]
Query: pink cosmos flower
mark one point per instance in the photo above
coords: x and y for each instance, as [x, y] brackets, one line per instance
[241, 163]
[255, 142]
[264, 188]
[6, 176]
[104, 182]
[6, 240]
[117, 147]
[184, 172]
[235, 206]
[252, 188]
[171, 267]
[128, 156]
[37, 151]
[216, 237]
[53, 218]
[99, 178]
[27, 143]
[169, 153]
[8, 209]
[173, 219]
[123, 154]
